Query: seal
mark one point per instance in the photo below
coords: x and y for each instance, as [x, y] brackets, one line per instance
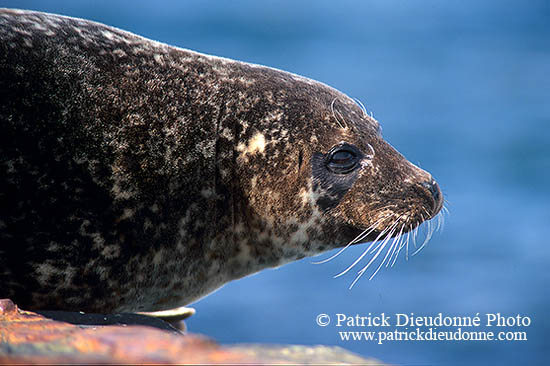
[136, 176]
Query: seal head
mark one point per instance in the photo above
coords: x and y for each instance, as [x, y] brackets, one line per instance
[136, 176]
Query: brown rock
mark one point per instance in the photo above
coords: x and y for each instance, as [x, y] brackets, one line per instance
[27, 337]
[31, 338]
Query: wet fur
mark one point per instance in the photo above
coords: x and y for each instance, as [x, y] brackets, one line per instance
[136, 176]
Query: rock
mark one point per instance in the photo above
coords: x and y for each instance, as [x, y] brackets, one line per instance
[28, 337]
[304, 355]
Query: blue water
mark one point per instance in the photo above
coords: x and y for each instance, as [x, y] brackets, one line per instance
[462, 88]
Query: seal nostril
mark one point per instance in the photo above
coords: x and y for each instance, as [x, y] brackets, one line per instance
[433, 188]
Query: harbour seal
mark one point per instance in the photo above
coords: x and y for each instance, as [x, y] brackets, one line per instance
[136, 176]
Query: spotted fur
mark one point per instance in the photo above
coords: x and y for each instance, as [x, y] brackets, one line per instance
[136, 176]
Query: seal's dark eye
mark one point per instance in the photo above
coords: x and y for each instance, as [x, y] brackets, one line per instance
[341, 157]
[342, 160]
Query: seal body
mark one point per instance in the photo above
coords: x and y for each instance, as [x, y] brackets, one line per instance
[135, 176]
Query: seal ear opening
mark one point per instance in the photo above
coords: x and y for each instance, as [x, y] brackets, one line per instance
[300, 159]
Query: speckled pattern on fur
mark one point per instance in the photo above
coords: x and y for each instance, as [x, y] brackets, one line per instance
[136, 176]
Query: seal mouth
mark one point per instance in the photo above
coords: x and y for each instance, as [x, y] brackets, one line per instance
[387, 237]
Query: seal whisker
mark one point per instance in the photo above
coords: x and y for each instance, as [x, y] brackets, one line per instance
[371, 156]
[397, 247]
[403, 244]
[416, 229]
[385, 207]
[365, 252]
[389, 253]
[391, 226]
[359, 237]
[444, 212]
[380, 243]
[407, 246]
[442, 227]
[334, 114]
[362, 106]
[387, 237]
[382, 246]
[343, 119]
[391, 249]
[395, 239]
[432, 225]
[426, 240]
[363, 234]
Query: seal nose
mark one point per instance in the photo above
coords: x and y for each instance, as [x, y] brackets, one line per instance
[434, 190]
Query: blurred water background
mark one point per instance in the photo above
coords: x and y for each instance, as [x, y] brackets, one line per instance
[462, 89]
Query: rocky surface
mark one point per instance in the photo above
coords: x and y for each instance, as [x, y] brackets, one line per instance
[28, 337]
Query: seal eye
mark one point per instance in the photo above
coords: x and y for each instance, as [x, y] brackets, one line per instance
[342, 160]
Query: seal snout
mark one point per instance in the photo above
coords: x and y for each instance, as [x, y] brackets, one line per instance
[433, 188]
